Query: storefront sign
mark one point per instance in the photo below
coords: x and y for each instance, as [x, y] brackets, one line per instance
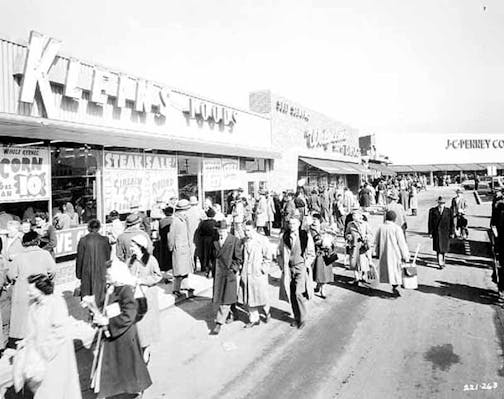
[331, 140]
[296, 112]
[474, 144]
[206, 111]
[212, 174]
[230, 174]
[24, 174]
[67, 240]
[138, 179]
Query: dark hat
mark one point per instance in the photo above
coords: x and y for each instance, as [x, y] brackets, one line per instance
[440, 200]
[458, 190]
[221, 225]
[132, 219]
[210, 212]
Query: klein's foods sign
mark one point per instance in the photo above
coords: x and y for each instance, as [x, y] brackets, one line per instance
[24, 174]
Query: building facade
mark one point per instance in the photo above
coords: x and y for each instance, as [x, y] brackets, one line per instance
[72, 132]
[314, 147]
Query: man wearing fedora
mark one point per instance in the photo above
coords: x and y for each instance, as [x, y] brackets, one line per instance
[133, 228]
[440, 228]
[228, 262]
[145, 225]
[179, 243]
[398, 209]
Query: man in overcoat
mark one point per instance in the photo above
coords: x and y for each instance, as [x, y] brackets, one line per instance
[440, 229]
[254, 275]
[296, 253]
[93, 252]
[458, 208]
[179, 243]
[228, 262]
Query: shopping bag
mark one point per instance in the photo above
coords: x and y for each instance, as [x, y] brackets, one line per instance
[410, 274]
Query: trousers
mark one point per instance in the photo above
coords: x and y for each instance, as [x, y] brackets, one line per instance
[254, 312]
[181, 282]
[223, 313]
[297, 298]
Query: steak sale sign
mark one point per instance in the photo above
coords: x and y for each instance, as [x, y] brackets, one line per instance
[24, 174]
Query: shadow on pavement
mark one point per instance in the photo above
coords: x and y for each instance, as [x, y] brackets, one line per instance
[462, 292]
[417, 233]
[428, 260]
[204, 311]
[346, 283]
[470, 248]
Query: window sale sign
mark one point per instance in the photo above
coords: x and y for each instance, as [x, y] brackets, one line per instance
[25, 174]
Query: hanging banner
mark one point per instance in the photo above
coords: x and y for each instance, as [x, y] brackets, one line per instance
[212, 174]
[133, 179]
[24, 174]
[230, 174]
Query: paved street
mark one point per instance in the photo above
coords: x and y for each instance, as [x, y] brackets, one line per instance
[359, 343]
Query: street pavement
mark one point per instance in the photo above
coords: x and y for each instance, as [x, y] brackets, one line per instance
[360, 342]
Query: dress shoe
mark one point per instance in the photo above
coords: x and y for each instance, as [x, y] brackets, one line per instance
[396, 292]
[294, 324]
[322, 296]
[216, 330]
[301, 325]
[230, 319]
[250, 325]
[267, 317]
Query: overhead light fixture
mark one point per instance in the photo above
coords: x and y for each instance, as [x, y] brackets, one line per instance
[56, 141]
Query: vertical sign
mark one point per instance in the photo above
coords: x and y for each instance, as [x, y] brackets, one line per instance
[212, 174]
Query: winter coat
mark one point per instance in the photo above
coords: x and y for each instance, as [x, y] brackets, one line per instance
[179, 242]
[262, 212]
[149, 328]
[254, 274]
[208, 235]
[165, 255]
[440, 227]
[270, 209]
[93, 251]
[413, 200]
[308, 253]
[356, 233]
[228, 261]
[391, 248]
[194, 217]
[399, 211]
[123, 369]
[33, 260]
[48, 332]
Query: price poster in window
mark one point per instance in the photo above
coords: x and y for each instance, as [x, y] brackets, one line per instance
[212, 174]
[25, 174]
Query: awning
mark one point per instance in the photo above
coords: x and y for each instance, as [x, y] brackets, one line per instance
[42, 129]
[401, 168]
[470, 167]
[384, 169]
[483, 166]
[335, 167]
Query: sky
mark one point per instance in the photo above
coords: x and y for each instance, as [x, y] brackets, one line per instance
[383, 67]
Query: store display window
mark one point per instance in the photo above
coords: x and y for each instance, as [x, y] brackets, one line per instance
[188, 170]
[74, 185]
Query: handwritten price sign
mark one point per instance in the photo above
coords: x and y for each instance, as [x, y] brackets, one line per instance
[485, 386]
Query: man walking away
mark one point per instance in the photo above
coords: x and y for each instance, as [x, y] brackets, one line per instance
[93, 252]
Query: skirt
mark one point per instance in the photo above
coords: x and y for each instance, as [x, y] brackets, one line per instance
[322, 272]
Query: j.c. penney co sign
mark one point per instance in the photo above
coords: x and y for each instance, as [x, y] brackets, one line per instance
[147, 97]
[474, 144]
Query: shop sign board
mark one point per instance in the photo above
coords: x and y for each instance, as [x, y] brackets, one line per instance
[230, 173]
[212, 174]
[138, 179]
[149, 98]
[24, 174]
[67, 240]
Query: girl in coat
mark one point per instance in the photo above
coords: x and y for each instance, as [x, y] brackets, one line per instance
[145, 269]
[49, 340]
[358, 236]
[120, 368]
[322, 266]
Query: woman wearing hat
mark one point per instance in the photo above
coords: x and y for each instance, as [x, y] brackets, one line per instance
[145, 269]
[440, 228]
[359, 236]
[133, 228]
[179, 242]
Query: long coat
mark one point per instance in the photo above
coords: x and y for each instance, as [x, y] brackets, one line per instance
[399, 211]
[149, 328]
[356, 233]
[262, 212]
[228, 260]
[93, 251]
[194, 217]
[391, 248]
[33, 260]
[283, 262]
[123, 369]
[208, 234]
[254, 274]
[179, 242]
[165, 255]
[440, 227]
[48, 332]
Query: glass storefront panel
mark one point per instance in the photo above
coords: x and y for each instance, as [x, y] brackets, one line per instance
[74, 190]
[188, 170]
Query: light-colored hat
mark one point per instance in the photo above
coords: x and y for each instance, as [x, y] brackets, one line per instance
[392, 196]
[132, 219]
[140, 240]
[182, 205]
[193, 200]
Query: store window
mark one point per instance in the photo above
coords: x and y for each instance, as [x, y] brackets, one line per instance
[188, 170]
[253, 165]
[74, 191]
